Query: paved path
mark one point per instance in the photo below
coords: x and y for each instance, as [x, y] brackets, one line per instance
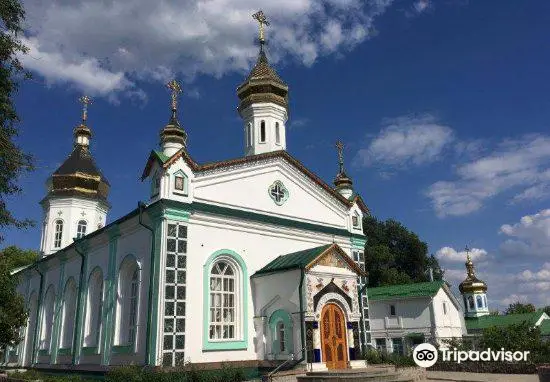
[452, 376]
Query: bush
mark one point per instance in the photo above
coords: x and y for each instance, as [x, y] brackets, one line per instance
[189, 373]
[33, 375]
[375, 357]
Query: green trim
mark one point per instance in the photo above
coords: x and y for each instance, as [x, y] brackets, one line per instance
[43, 352]
[208, 345]
[110, 296]
[54, 343]
[128, 349]
[176, 214]
[90, 350]
[257, 217]
[358, 243]
[81, 303]
[276, 317]
[156, 251]
[64, 351]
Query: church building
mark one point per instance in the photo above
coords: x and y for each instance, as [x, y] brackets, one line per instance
[200, 271]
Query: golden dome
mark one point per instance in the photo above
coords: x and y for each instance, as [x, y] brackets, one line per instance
[472, 284]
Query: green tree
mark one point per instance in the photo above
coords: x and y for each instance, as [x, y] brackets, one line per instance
[395, 255]
[546, 310]
[13, 161]
[13, 314]
[518, 308]
[17, 257]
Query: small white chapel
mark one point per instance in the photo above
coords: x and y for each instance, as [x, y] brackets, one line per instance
[200, 272]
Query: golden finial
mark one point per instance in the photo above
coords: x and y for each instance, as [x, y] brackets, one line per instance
[469, 263]
[85, 101]
[175, 89]
[468, 258]
[340, 148]
[262, 20]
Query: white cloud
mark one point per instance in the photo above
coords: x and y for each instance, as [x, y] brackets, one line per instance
[529, 237]
[408, 140]
[105, 46]
[449, 254]
[521, 166]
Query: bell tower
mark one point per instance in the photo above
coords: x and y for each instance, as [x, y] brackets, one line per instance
[474, 291]
[76, 202]
[263, 103]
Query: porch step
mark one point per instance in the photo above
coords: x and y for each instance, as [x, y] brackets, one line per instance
[352, 376]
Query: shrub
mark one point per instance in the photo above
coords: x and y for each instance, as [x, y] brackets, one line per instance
[375, 357]
[189, 373]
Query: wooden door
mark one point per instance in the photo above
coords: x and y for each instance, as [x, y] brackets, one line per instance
[333, 337]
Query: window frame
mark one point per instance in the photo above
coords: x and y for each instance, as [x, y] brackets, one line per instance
[263, 132]
[185, 183]
[66, 336]
[241, 341]
[479, 302]
[80, 234]
[47, 319]
[94, 324]
[393, 310]
[58, 230]
[277, 134]
[471, 303]
[122, 330]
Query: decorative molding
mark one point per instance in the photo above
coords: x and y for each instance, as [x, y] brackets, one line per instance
[282, 188]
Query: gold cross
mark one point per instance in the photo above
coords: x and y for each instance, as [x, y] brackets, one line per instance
[340, 148]
[467, 254]
[85, 101]
[262, 20]
[176, 89]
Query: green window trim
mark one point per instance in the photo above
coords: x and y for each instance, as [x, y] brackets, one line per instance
[126, 349]
[277, 317]
[65, 351]
[207, 344]
[90, 350]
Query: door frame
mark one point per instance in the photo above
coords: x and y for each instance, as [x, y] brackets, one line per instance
[335, 364]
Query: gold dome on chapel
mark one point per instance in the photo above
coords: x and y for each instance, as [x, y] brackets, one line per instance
[471, 284]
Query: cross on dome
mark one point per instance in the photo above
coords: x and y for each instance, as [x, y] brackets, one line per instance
[85, 101]
[175, 90]
[262, 20]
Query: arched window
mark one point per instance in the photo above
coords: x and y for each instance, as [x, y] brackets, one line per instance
[224, 300]
[58, 233]
[280, 323]
[127, 302]
[479, 302]
[94, 308]
[281, 334]
[68, 315]
[262, 131]
[277, 134]
[81, 229]
[485, 301]
[470, 302]
[47, 319]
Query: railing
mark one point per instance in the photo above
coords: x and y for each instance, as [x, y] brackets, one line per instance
[292, 358]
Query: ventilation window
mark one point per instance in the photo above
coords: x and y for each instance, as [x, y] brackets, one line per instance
[277, 134]
[262, 132]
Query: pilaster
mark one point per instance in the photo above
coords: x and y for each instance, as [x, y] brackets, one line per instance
[110, 296]
[83, 281]
[54, 343]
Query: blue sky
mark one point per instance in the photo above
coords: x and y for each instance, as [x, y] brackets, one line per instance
[444, 107]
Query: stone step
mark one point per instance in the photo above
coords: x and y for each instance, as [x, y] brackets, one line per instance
[350, 376]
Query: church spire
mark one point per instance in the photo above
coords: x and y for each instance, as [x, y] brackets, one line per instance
[173, 137]
[343, 183]
[82, 132]
[263, 102]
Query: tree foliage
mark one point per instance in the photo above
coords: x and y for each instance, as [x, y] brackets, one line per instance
[518, 308]
[17, 257]
[13, 161]
[13, 314]
[395, 255]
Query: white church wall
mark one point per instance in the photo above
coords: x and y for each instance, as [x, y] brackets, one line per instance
[257, 244]
[412, 314]
[270, 294]
[246, 188]
[449, 318]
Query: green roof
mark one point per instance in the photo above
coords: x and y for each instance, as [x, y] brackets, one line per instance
[163, 158]
[484, 322]
[545, 328]
[295, 260]
[426, 289]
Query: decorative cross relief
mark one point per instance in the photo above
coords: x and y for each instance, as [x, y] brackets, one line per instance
[278, 192]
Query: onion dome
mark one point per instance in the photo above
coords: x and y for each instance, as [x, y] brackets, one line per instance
[173, 132]
[342, 181]
[78, 175]
[263, 84]
[472, 284]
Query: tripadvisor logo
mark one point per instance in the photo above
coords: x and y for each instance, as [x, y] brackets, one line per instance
[426, 355]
